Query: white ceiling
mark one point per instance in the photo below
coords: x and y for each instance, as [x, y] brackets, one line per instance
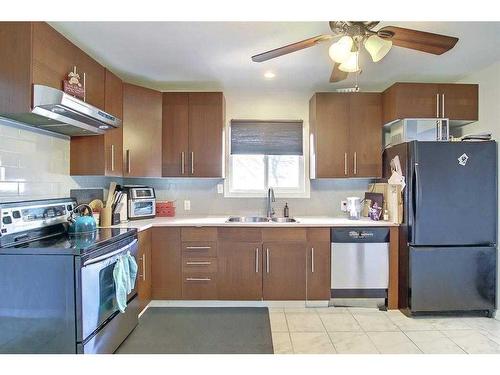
[216, 55]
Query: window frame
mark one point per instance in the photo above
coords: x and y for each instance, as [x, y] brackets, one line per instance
[303, 192]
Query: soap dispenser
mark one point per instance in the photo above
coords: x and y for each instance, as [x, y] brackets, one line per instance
[286, 211]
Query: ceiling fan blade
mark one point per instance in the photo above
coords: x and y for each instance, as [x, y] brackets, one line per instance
[291, 48]
[418, 40]
[337, 74]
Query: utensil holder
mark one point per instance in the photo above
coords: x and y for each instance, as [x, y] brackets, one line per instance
[105, 217]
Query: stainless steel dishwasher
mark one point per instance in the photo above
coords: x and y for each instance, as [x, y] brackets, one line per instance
[360, 262]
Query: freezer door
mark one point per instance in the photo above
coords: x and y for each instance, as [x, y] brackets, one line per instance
[453, 191]
[452, 279]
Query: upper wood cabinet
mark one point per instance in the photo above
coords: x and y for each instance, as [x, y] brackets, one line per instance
[38, 54]
[142, 131]
[193, 126]
[345, 135]
[457, 102]
[107, 149]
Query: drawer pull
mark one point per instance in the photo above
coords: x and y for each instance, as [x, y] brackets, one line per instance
[198, 279]
[198, 247]
[198, 263]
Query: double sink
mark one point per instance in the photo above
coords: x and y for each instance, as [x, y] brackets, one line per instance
[260, 219]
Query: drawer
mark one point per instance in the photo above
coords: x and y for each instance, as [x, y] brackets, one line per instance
[199, 234]
[198, 264]
[199, 286]
[199, 249]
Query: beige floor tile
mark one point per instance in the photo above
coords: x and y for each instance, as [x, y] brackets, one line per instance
[300, 310]
[311, 343]
[352, 343]
[412, 324]
[393, 343]
[276, 309]
[278, 322]
[282, 343]
[444, 324]
[340, 323]
[473, 341]
[487, 324]
[434, 342]
[332, 310]
[364, 310]
[375, 322]
[304, 322]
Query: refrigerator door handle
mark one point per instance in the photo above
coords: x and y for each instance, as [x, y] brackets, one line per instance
[418, 195]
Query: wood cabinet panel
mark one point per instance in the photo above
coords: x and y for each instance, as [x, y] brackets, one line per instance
[113, 139]
[199, 286]
[199, 234]
[284, 234]
[459, 101]
[240, 234]
[206, 123]
[192, 264]
[410, 100]
[318, 270]
[240, 270]
[199, 249]
[166, 263]
[284, 270]
[365, 134]
[142, 131]
[175, 134]
[144, 268]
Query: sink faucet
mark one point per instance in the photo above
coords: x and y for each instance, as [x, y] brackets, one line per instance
[270, 200]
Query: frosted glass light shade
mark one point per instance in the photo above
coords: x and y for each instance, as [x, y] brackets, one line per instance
[340, 50]
[377, 47]
[351, 64]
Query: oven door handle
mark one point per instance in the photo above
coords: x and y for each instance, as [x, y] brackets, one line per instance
[109, 255]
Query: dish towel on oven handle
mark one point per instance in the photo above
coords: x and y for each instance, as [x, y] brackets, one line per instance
[124, 275]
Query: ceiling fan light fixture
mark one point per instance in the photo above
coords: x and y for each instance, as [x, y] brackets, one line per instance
[340, 50]
[351, 64]
[377, 47]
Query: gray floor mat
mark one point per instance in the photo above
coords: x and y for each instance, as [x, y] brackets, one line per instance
[207, 330]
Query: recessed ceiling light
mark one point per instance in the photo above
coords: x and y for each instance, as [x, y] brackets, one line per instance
[269, 75]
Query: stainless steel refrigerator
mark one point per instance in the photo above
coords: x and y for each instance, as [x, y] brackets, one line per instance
[448, 252]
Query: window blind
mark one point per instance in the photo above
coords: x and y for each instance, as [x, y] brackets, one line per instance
[272, 137]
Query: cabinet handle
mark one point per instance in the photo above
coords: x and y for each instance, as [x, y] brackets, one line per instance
[128, 161]
[182, 162]
[345, 163]
[192, 162]
[112, 158]
[198, 263]
[442, 105]
[437, 105]
[355, 163]
[143, 261]
[198, 279]
[84, 86]
[198, 247]
[312, 259]
[267, 260]
[257, 260]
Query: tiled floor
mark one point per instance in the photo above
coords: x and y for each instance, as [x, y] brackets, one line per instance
[367, 330]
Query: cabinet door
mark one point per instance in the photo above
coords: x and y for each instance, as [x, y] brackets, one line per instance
[318, 270]
[54, 57]
[240, 270]
[331, 134]
[142, 131]
[144, 268]
[365, 135]
[206, 123]
[166, 264]
[459, 101]
[113, 139]
[284, 271]
[175, 134]
[410, 100]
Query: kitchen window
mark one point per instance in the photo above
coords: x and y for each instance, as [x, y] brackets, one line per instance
[265, 154]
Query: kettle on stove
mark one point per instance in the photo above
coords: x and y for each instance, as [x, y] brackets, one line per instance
[79, 223]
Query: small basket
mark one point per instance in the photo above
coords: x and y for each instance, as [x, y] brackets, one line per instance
[165, 209]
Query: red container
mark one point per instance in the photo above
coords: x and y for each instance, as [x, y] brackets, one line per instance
[165, 209]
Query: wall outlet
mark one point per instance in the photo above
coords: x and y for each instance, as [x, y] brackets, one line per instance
[220, 188]
[187, 205]
[343, 206]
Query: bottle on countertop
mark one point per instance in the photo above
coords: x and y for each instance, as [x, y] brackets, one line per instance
[286, 211]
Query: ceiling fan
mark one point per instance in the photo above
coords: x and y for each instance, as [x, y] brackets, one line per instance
[354, 34]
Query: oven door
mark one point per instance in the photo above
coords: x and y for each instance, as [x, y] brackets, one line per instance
[98, 288]
[142, 208]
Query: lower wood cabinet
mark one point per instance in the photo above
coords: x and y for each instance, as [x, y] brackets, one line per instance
[318, 270]
[144, 268]
[166, 263]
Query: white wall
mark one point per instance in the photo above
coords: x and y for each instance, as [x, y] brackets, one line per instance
[489, 114]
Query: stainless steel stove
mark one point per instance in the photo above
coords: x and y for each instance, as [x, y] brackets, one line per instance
[58, 292]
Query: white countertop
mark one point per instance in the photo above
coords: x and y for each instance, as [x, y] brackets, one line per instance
[221, 221]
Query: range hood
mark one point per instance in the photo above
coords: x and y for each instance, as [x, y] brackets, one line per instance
[58, 112]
